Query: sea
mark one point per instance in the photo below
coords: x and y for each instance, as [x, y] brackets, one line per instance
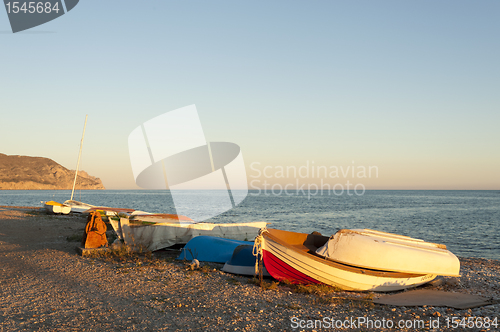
[467, 222]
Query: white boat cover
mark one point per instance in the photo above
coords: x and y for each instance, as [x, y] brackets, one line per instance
[165, 234]
[389, 252]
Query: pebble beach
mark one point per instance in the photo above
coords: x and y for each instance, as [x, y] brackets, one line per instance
[45, 285]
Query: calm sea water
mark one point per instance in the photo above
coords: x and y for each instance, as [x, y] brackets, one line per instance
[468, 222]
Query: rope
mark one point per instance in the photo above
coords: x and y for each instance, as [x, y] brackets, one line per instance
[258, 253]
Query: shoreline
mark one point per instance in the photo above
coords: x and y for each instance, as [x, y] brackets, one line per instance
[37, 189]
[45, 285]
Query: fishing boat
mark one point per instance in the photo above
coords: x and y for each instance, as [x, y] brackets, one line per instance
[56, 208]
[243, 262]
[211, 249]
[372, 249]
[292, 256]
[145, 233]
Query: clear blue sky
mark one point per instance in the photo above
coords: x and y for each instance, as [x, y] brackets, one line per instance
[410, 87]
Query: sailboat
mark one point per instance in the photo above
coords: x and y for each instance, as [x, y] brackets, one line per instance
[70, 205]
[76, 206]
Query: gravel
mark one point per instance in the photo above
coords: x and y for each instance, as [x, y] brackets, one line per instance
[46, 286]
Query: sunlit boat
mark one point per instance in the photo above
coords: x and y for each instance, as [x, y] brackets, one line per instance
[211, 249]
[292, 256]
[371, 249]
[56, 208]
[154, 232]
[243, 262]
[78, 207]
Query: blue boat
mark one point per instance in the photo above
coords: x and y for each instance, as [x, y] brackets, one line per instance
[211, 249]
[243, 262]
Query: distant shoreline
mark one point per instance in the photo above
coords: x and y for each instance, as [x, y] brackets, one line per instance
[53, 189]
[253, 190]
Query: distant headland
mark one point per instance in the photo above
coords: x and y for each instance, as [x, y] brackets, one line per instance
[33, 173]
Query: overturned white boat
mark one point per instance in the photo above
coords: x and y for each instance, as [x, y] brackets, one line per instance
[371, 249]
[158, 231]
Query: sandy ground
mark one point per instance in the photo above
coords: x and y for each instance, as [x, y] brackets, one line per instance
[46, 286]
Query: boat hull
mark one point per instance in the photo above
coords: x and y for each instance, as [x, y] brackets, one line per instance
[211, 249]
[159, 235]
[243, 262]
[78, 207]
[294, 262]
[56, 208]
[391, 252]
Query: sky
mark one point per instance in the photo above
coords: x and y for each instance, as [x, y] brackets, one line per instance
[410, 89]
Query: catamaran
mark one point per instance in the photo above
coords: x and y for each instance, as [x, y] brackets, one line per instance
[70, 205]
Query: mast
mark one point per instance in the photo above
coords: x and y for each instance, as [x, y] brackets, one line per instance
[79, 155]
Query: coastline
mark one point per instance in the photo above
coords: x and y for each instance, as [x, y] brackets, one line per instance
[53, 188]
[45, 285]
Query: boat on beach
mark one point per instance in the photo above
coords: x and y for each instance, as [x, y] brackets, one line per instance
[242, 262]
[377, 250]
[292, 256]
[73, 206]
[56, 208]
[145, 218]
[142, 231]
[211, 249]
[78, 207]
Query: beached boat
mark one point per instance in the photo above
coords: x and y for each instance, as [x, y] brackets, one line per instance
[110, 211]
[75, 206]
[55, 207]
[292, 256]
[145, 218]
[211, 249]
[390, 252]
[144, 232]
[78, 207]
[243, 262]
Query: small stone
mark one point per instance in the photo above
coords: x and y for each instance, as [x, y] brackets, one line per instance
[437, 282]
[453, 282]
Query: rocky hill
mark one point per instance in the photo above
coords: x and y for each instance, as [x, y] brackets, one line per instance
[23, 172]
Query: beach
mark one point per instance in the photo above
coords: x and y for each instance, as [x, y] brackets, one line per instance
[45, 285]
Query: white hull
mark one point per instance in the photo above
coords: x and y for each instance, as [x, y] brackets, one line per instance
[56, 208]
[78, 207]
[165, 234]
[243, 270]
[390, 252]
[289, 261]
